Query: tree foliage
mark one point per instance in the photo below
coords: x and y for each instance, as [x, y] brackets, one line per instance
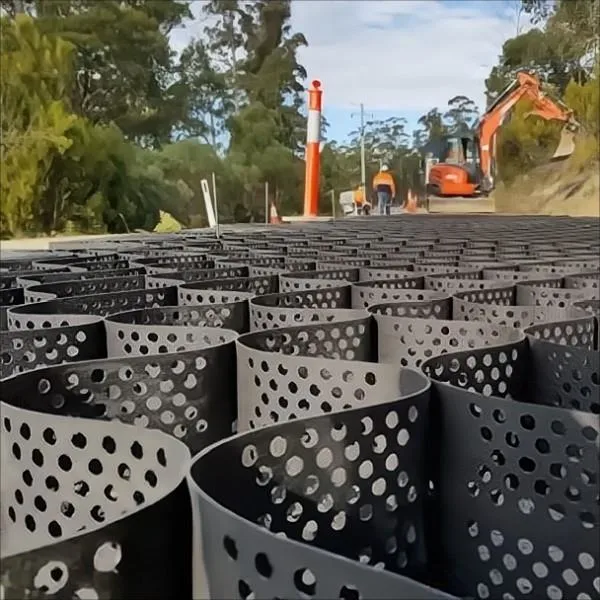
[563, 50]
[106, 128]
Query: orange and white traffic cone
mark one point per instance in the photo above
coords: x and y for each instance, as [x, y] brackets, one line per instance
[411, 202]
[274, 218]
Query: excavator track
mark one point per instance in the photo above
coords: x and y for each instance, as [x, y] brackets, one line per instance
[461, 204]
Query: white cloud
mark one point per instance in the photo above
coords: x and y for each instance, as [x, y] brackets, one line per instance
[406, 55]
[401, 55]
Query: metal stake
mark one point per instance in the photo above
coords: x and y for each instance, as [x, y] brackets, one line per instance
[266, 202]
[333, 203]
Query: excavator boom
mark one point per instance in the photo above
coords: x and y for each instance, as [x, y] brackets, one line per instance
[525, 86]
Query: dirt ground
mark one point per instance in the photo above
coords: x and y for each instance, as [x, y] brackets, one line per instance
[554, 189]
[42, 243]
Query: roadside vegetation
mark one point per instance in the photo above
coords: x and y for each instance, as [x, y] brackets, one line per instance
[106, 129]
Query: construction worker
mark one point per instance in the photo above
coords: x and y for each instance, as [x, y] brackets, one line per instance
[362, 207]
[384, 186]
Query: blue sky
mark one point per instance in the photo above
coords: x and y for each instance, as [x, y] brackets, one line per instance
[398, 57]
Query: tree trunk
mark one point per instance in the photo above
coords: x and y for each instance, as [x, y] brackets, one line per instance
[213, 135]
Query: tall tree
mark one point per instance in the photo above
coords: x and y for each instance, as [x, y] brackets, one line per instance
[270, 73]
[225, 35]
[123, 61]
[553, 56]
[209, 99]
[433, 125]
[564, 46]
[384, 138]
[461, 115]
[35, 122]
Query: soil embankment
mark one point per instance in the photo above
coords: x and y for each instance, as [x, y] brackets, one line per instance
[553, 189]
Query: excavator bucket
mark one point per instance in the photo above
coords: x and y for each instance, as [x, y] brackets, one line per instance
[566, 145]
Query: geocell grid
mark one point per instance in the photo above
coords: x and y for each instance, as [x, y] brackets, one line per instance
[401, 407]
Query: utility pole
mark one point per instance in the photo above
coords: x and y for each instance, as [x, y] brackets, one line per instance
[363, 162]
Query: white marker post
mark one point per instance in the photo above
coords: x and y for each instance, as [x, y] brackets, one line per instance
[216, 202]
[210, 213]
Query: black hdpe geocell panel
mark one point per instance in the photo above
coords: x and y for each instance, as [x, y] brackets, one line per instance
[402, 407]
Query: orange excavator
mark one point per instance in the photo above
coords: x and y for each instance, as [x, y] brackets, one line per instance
[466, 166]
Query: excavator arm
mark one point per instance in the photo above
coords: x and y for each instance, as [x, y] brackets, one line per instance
[524, 86]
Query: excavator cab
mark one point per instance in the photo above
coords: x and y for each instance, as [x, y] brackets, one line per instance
[461, 150]
[457, 168]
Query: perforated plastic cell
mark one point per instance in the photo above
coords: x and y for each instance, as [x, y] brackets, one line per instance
[334, 297]
[310, 280]
[190, 275]
[548, 270]
[266, 284]
[566, 376]
[346, 486]
[177, 261]
[41, 277]
[11, 296]
[307, 306]
[570, 332]
[561, 298]
[85, 287]
[3, 318]
[32, 295]
[83, 309]
[8, 281]
[346, 262]
[303, 371]
[87, 261]
[437, 267]
[89, 506]
[450, 285]
[582, 280]
[275, 317]
[483, 242]
[294, 265]
[502, 296]
[135, 339]
[44, 315]
[262, 271]
[372, 273]
[592, 263]
[188, 296]
[230, 315]
[29, 349]
[513, 316]
[190, 395]
[366, 293]
[158, 281]
[519, 508]
[410, 341]
[499, 370]
[515, 275]
[592, 307]
[440, 308]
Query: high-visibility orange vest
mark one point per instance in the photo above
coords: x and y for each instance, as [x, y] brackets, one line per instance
[384, 178]
[359, 196]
